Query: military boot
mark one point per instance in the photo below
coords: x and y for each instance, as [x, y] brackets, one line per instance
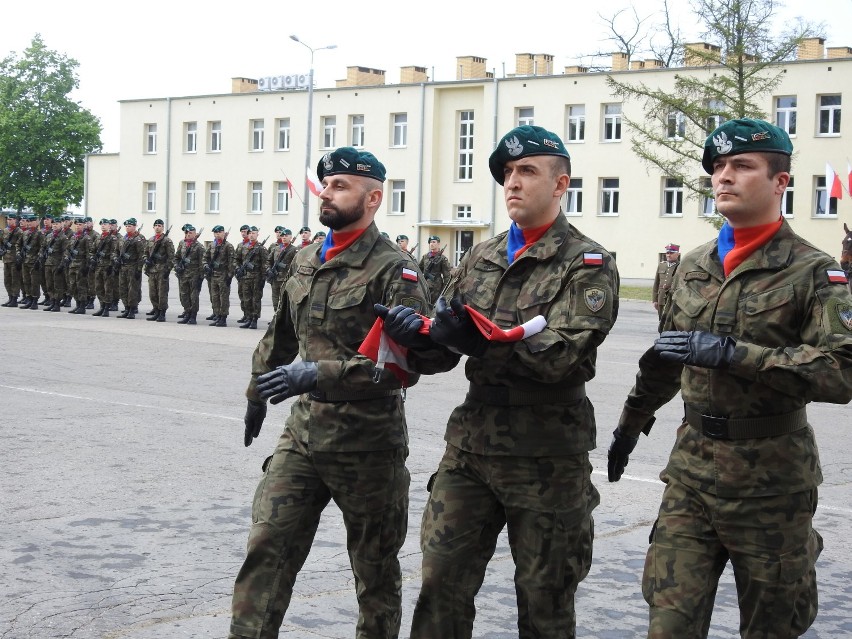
[124, 312]
[8, 303]
[113, 306]
[81, 308]
[192, 319]
[99, 312]
[213, 317]
[184, 317]
[131, 314]
[222, 321]
[34, 305]
[243, 319]
[152, 314]
[57, 305]
[26, 302]
[107, 309]
[90, 303]
[161, 316]
[66, 301]
[46, 301]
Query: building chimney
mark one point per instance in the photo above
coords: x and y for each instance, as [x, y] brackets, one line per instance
[619, 61]
[576, 69]
[362, 77]
[243, 85]
[811, 49]
[701, 54]
[471, 67]
[839, 52]
[412, 75]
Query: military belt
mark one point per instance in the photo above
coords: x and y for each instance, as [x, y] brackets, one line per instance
[505, 396]
[746, 427]
[340, 396]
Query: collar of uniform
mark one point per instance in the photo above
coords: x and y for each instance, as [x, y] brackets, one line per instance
[774, 255]
[355, 255]
[547, 246]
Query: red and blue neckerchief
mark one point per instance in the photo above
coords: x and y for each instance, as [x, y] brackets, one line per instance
[735, 245]
[337, 242]
[520, 240]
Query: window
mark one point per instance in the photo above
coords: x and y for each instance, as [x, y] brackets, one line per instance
[257, 135]
[150, 197]
[708, 202]
[829, 114]
[576, 123]
[191, 137]
[672, 196]
[676, 126]
[574, 197]
[526, 116]
[787, 200]
[825, 206]
[282, 197]
[212, 197]
[357, 131]
[464, 242]
[189, 197]
[785, 113]
[151, 138]
[397, 197]
[612, 123]
[215, 129]
[329, 131]
[609, 196]
[464, 211]
[400, 129]
[465, 146]
[283, 127]
[256, 197]
[715, 119]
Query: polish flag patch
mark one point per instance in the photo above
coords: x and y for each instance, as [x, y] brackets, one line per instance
[592, 259]
[408, 274]
[838, 277]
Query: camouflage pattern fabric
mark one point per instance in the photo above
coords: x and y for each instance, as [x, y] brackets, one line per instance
[279, 259]
[11, 239]
[254, 260]
[524, 466]
[106, 284]
[794, 345]
[132, 250]
[239, 256]
[77, 253]
[339, 449]
[436, 270]
[159, 259]
[54, 250]
[662, 287]
[30, 275]
[189, 262]
[220, 257]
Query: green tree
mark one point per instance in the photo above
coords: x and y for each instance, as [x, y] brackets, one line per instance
[727, 80]
[44, 134]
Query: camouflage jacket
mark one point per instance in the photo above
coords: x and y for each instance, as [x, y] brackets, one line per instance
[54, 248]
[573, 282]
[250, 263]
[77, 252]
[10, 239]
[794, 345]
[189, 260]
[279, 259]
[159, 254]
[130, 252]
[663, 281]
[325, 312]
[103, 249]
[436, 270]
[220, 258]
[31, 246]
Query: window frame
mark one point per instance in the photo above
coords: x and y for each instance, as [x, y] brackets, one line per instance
[282, 198]
[821, 195]
[357, 131]
[399, 123]
[150, 138]
[577, 120]
[282, 134]
[214, 196]
[672, 197]
[258, 129]
[329, 131]
[397, 199]
[786, 117]
[612, 122]
[255, 197]
[573, 198]
[190, 196]
[150, 197]
[525, 116]
[833, 111]
[466, 139]
[191, 137]
[215, 136]
[609, 193]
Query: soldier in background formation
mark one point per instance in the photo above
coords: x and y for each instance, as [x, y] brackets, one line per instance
[129, 259]
[304, 238]
[26, 261]
[219, 271]
[76, 263]
[250, 272]
[278, 262]
[664, 278]
[189, 267]
[101, 262]
[402, 243]
[53, 252]
[239, 254]
[10, 242]
[319, 237]
[93, 237]
[435, 267]
[159, 261]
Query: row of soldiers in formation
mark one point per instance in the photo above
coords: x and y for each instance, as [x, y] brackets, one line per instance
[68, 260]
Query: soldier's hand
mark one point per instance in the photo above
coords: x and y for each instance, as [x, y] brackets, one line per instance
[453, 328]
[255, 414]
[619, 454]
[696, 348]
[287, 381]
[402, 325]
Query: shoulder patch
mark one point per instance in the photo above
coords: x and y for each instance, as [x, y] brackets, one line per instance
[409, 274]
[592, 259]
[412, 302]
[837, 277]
[305, 269]
[844, 314]
[594, 298]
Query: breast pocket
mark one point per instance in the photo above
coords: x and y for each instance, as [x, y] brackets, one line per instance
[768, 317]
[349, 318]
[687, 307]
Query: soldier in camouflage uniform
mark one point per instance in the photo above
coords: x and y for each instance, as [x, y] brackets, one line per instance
[189, 268]
[159, 261]
[219, 271]
[239, 253]
[54, 252]
[101, 263]
[278, 263]
[46, 230]
[129, 259]
[664, 277]
[759, 324]
[93, 239]
[518, 447]
[250, 272]
[65, 223]
[346, 437]
[10, 242]
[27, 259]
[435, 267]
[76, 262]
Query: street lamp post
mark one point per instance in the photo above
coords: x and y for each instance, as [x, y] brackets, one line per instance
[310, 122]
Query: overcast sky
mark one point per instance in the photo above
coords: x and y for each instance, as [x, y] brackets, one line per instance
[161, 48]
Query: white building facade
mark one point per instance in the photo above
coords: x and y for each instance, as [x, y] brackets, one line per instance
[239, 158]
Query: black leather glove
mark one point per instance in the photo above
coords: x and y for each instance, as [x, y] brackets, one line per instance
[619, 454]
[287, 381]
[255, 414]
[402, 325]
[696, 348]
[453, 328]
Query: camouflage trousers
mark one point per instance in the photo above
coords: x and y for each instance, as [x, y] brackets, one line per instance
[276, 286]
[54, 283]
[11, 279]
[31, 280]
[189, 289]
[241, 294]
[158, 290]
[130, 286]
[220, 295]
[546, 504]
[253, 294]
[78, 283]
[371, 490]
[105, 287]
[772, 548]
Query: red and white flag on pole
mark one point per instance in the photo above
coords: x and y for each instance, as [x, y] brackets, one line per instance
[849, 177]
[289, 187]
[314, 184]
[833, 186]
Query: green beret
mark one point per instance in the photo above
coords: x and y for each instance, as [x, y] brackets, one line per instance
[104, 221]
[188, 227]
[385, 235]
[87, 219]
[159, 221]
[434, 237]
[350, 161]
[113, 221]
[523, 142]
[279, 229]
[244, 227]
[305, 228]
[319, 234]
[745, 135]
[287, 231]
[130, 221]
[253, 229]
[401, 237]
[218, 228]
